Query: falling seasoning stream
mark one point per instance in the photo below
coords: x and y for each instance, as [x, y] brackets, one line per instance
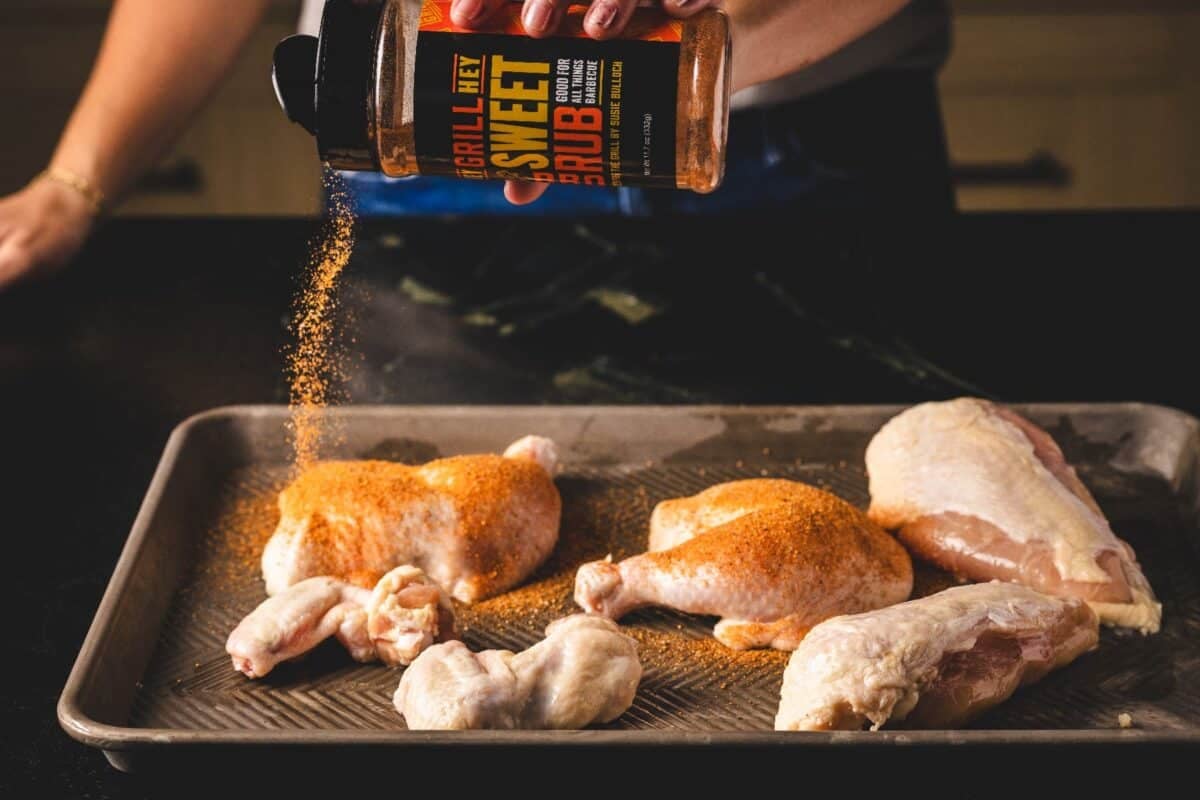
[314, 356]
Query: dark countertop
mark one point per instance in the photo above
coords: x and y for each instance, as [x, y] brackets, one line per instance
[160, 319]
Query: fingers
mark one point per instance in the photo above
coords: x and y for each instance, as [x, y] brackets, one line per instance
[15, 262]
[41, 228]
[472, 13]
[16, 258]
[604, 18]
[542, 17]
[607, 18]
[685, 8]
[522, 193]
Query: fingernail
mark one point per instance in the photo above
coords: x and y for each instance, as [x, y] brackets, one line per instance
[603, 14]
[536, 18]
[681, 3]
[468, 10]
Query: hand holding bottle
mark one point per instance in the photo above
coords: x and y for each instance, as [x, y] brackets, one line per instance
[604, 20]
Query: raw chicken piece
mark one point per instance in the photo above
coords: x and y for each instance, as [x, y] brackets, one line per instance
[477, 525]
[982, 492]
[538, 449]
[936, 662]
[797, 556]
[673, 522]
[584, 671]
[403, 615]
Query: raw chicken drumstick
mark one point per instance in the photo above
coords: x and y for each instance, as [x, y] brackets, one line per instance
[477, 525]
[984, 493]
[781, 557]
[584, 671]
[404, 614]
[936, 662]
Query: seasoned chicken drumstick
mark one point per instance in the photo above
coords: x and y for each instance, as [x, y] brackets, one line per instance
[477, 525]
[404, 614]
[584, 671]
[934, 662]
[793, 557]
[981, 491]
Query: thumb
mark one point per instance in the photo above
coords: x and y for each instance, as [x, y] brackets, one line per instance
[522, 193]
[15, 261]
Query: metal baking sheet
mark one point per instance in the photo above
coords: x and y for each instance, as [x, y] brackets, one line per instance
[153, 678]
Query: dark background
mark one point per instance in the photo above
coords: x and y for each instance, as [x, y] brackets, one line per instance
[164, 317]
[159, 320]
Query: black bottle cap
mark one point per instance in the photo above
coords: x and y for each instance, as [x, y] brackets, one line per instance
[326, 84]
[294, 75]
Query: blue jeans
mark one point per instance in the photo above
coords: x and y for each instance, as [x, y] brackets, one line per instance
[874, 142]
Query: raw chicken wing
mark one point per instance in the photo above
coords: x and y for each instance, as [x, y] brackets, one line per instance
[584, 671]
[403, 615]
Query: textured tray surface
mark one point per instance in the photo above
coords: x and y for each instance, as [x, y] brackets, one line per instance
[153, 675]
[690, 682]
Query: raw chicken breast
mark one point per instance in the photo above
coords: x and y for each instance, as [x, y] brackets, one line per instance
[982, 492]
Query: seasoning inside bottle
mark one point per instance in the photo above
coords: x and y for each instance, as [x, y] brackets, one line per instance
[394, 86]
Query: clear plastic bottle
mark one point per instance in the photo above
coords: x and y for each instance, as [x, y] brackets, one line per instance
[650, 108]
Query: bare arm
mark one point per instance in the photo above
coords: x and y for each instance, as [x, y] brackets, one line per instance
[158, 63]
[772, 38]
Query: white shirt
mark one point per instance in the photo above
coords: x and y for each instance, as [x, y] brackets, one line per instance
[918, 37]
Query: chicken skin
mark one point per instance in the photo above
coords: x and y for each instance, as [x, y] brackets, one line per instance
[984, 493]
[405, 614]
[477, 525]
[936, 662]
[675, 521]
[584, 671]
[793, 557]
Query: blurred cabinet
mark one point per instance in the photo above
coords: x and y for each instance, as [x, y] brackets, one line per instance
[1110, 91]
[240, 156]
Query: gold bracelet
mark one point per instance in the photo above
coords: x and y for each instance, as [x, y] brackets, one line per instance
[81, 185]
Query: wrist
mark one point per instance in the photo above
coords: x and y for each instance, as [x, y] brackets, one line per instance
[97, 165]
[78, 184]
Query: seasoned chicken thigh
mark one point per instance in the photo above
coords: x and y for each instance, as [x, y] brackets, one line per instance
[477, 525]
[935, 662]
[584, 671]
[982, 492]
[404, 614]
[794, 557]
[675, 521]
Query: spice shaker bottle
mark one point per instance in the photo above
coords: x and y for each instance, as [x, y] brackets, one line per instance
[394, 86]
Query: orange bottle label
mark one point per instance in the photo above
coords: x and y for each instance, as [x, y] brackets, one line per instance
[495, 104]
